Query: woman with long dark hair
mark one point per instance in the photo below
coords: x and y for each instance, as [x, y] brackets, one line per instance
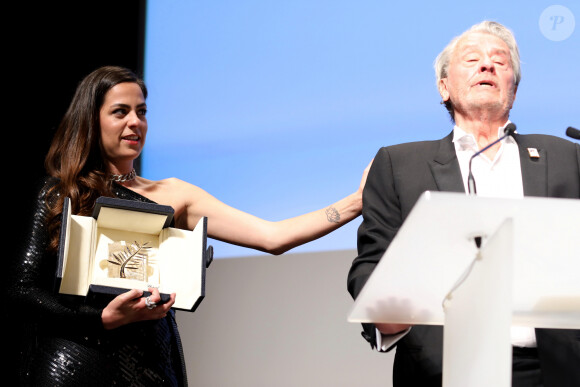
[124, 341]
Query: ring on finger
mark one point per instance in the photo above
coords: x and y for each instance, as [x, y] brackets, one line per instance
[150, 304]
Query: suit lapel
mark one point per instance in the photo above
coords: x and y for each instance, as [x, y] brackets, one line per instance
[445, 167]
[534, 169]
[447, 175]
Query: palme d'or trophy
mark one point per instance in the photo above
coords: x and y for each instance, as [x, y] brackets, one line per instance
[128, 260]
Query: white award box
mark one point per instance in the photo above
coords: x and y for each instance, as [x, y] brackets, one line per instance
[129, 244]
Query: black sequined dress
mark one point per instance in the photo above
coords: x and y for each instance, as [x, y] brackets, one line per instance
[64, 342]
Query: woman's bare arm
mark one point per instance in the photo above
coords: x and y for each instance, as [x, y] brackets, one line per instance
[230, 225]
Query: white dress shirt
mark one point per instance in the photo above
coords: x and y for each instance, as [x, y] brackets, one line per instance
[500, 177]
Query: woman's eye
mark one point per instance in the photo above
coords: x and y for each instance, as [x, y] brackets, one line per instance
[119, 112]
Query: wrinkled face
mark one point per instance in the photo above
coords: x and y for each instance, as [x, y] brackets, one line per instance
[480, 77]
[123, 122]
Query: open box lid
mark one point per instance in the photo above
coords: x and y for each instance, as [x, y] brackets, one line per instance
[144, 217]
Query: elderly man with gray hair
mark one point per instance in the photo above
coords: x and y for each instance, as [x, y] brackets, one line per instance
[478, 74]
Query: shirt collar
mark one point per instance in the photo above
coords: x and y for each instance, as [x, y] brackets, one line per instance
[464, 140]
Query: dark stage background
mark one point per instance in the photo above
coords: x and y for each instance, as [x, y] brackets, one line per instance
[49, 47]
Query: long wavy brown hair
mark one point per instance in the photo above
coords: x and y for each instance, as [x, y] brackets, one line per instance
[75, 157]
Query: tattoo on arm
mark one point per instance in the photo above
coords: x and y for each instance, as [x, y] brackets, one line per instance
[332, 215]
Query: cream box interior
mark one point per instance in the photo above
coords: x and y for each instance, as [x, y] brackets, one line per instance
[128, 244]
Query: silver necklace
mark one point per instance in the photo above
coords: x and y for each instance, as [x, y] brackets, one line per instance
[123, 178]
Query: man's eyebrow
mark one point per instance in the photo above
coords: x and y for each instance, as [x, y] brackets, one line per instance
[501, 51]
[465, 49]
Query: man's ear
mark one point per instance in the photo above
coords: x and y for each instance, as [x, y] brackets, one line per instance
[443, 90]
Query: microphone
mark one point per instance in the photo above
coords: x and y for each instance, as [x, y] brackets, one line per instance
[508, 131]
[573, 132]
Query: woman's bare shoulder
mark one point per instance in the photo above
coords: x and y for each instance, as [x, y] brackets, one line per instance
[177, 185]
[145, 184]
[170, 190]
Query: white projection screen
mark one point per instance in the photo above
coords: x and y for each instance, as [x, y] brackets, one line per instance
[276, 107]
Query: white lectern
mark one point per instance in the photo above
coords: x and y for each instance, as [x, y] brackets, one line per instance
[525, 274]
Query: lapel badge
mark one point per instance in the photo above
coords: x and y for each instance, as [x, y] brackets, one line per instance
[534, 154]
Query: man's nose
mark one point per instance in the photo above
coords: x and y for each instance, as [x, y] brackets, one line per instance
[487, 65]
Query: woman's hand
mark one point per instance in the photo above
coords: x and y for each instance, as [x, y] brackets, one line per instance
[132, 306]
[364, 177]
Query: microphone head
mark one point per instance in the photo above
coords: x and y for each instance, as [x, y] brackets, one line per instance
[573, 132]
[510, 129]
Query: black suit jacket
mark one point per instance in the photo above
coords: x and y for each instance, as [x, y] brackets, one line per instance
[398, 176]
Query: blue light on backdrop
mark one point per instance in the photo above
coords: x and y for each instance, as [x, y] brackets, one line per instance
[275, 108]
